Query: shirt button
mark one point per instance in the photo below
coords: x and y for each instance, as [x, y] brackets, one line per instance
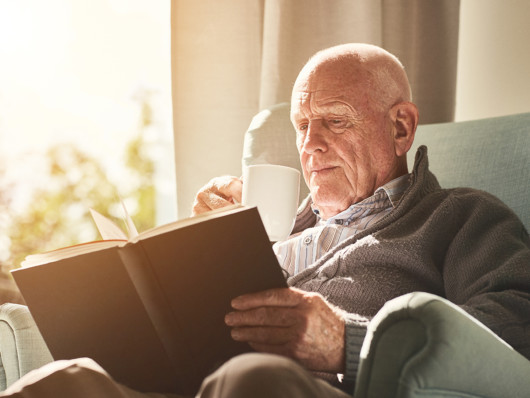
[339, 222]
[308, 240]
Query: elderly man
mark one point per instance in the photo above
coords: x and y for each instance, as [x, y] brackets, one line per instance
[354, 123]
[369, 232]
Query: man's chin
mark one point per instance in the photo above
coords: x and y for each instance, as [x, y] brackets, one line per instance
[328, 205]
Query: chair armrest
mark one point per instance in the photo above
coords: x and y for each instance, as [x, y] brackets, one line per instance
[420, 345]
[22, 348]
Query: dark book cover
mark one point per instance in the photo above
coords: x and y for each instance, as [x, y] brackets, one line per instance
[151, 311]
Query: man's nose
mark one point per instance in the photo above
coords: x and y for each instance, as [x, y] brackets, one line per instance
[315, 138]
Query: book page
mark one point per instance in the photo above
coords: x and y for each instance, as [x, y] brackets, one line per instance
[70, 251]
[133, 232]
[189, 221]
[107, 228]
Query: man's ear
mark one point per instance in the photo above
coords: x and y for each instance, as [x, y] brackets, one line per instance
[404, 117]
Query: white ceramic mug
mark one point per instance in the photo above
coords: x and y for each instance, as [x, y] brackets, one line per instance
[274, 189]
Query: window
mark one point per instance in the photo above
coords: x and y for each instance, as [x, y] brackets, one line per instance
[85, 119]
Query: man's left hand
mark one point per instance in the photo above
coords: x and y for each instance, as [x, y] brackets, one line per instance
[291, 322]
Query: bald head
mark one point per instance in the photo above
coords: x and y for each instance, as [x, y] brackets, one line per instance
[363, 67]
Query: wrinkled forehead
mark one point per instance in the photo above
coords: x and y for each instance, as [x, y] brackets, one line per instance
[306, 104]
[328, 86]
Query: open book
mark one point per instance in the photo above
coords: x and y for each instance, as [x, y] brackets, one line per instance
[150, 308]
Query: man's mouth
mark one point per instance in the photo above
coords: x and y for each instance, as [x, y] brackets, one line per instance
[322, 170]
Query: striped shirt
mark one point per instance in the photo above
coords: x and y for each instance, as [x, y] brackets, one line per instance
[301, 250]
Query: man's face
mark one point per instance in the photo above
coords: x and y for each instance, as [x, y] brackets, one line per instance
[344, 138]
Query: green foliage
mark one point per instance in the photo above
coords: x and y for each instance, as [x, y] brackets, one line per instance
[143, 169]
[57, 214]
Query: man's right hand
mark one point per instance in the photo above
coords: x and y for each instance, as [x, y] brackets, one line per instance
[219, 192]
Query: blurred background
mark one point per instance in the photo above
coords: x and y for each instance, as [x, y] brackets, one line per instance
[85, 121]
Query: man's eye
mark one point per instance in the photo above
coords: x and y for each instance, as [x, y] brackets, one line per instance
[337, 122]
[302, 127]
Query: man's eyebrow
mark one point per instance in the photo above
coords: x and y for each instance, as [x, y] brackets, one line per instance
[333, 104]
[337, 106]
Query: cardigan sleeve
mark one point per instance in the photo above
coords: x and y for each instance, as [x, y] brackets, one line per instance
[353, 340]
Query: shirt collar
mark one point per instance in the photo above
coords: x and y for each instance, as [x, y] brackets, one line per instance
[396, 188]
[385, 196]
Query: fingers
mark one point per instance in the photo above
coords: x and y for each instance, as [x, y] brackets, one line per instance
[212, 200]
[199, 208]
[226, 187]
[263, 316]
[264, 336]
[233, 189]
[267, 327]
[282, 297]
[291, 322]
[219, 192]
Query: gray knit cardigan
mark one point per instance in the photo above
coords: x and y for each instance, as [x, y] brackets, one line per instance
[461, 244]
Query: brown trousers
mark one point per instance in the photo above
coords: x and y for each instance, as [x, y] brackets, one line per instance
[249, 375]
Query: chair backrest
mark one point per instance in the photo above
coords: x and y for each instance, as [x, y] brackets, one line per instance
[488, 154]
[271, 139]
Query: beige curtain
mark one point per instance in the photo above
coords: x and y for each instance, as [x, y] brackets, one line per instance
[232, 58]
